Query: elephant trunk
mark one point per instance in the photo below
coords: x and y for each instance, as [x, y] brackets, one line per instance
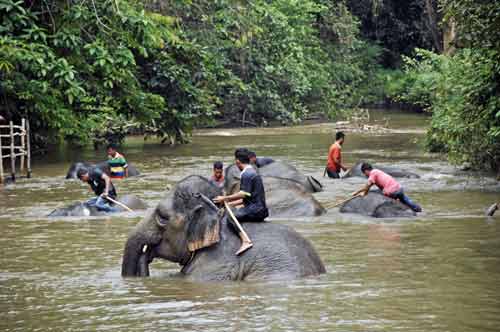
[136, 257]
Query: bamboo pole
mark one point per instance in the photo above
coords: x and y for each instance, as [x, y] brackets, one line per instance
[28, 149]
[12, 155]
[23, 151]
[1, 161]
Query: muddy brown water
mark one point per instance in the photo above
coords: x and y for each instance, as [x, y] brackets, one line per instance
[438, 272]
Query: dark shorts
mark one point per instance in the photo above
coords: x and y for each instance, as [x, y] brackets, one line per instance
[249, 214]
[332, 174]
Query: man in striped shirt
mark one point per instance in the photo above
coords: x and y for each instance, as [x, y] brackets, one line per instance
[118, 167]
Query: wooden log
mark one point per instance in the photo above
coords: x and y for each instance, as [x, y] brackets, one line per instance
[28, 149]
[22, 152]
[12, 157]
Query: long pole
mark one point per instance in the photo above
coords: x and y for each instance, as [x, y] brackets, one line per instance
[12, 154]
[23, 150]
[231, 214]
[342, 202]
[1, 159]
[119, 203]
[28, 147]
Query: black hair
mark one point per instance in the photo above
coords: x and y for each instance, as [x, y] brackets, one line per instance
[251, 154]
[366, 167]
[339, 135]
[113, 146]
[81, 172]
[242, 155]
[218, 165]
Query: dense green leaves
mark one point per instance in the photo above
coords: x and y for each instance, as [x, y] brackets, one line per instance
[463, 94]
[76, 68]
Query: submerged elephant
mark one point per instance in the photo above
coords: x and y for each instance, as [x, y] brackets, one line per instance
[392, 171]
[377, 205]
[284, 198]
[281, 170]
[73, 170]
[82, 209]
[187, 228]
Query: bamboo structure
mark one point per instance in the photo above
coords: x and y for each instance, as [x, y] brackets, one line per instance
[16, 148]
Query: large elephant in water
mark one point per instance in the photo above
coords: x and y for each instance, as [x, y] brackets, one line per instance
[377, 205]
[82, 209]
[73, 170]
[281, 170]
[187, 228]
[392, 171]
[284, 198]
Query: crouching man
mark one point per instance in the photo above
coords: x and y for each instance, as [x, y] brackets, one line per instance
[250, 201]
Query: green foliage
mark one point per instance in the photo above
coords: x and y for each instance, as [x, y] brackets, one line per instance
[275, 60]
[92, 70]
[462, 92]
[398, 26]
[70, 68]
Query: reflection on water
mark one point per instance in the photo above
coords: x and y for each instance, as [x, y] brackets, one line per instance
[439, 272]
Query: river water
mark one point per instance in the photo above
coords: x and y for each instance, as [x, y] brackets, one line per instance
[438, 272]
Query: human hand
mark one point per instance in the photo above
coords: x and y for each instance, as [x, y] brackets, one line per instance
[219, 199]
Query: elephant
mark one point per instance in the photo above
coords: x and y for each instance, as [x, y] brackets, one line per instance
[284, 198]
[82, 209]
[282, 170]
[73, 170]
[377, 205]
[187, 228]
[392, 171]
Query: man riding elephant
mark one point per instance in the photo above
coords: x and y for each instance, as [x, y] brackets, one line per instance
[389, 186]
[259, 161]
[101, 185]
[187, 228]
[250, 200]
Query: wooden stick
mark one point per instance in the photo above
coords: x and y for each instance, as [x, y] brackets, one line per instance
[23, 153]
[1, 161]
[119, 203]
[28, 148]
[12, 154]
[231, 214]
[342, 202]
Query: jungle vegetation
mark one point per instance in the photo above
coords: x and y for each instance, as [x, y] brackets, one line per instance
[90, 71]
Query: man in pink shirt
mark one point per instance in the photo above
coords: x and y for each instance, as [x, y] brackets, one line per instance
[389, 186]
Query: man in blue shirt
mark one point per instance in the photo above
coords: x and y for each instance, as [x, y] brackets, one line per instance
[259, 161]
[250, 200]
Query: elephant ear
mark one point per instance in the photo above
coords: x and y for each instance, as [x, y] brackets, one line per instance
[203, 229]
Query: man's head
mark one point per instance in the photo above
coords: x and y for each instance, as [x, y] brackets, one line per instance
[339, 137]
[83, 174]
[366, 169]
[241, 157]
[111, 149]
[218, 166]
[252, 157]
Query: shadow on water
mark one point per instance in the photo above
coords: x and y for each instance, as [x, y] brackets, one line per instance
[437, 272]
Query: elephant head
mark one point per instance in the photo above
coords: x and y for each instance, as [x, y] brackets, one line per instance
[186, 220]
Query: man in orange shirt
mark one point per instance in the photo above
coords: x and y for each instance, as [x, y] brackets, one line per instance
[334, 165]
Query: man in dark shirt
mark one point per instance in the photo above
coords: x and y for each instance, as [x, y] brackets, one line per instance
[101, 185]
[251, 199]
[259, 161]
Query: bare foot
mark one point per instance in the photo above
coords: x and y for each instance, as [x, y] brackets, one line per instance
[244, 247]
